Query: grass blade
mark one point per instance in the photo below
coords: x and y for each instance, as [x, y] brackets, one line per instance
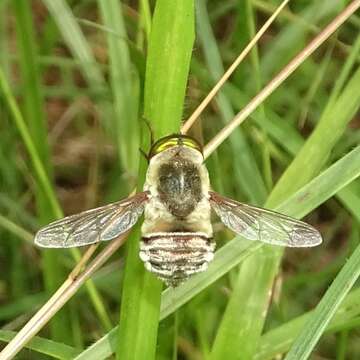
[235, 252]
[164, 95]
[122, 74]
[280, 77]
[306, 165]
[44, 346]
[249, 177]
[325, 310]
[76, 41]
[36, 121]
[165, 83]
[92, 124]
[16, 229]
[45, 184]
[279, 340]
[255, 38]
[331, 126]
[26, 137]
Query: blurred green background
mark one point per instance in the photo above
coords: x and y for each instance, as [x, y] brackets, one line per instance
[86, 75]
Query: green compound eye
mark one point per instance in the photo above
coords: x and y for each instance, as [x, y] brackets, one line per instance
[170, 141]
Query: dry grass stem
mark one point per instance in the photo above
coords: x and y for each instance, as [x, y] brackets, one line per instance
[195, 115]
[83, 261]
[59, 299]
[280, 77]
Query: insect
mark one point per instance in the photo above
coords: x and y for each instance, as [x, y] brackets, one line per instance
[177, 235]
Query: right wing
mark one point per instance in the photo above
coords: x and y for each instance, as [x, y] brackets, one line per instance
[264, 225]
[91, 226]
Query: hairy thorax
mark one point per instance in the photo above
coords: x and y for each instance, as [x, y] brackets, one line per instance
[178, 201]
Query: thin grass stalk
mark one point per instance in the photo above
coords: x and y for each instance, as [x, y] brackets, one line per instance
[229, 328]
[41, 174]
[247, 174]
[278, 341]
[15, 229]
[195, 115]
[311, 28]
[45, 183]
[58, 300]
[44, 346]
[280, 77]
[250, 23]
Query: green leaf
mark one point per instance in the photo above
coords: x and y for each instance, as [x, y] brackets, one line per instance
[37, 130]
[167, 68]
[76, 41]
[279, 340]
[305, 166]
[44, 346]
[122, 82]
[325, 310]
[235, 252]
[246, 173]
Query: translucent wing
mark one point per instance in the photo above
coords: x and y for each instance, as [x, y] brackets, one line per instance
[100, 224]
[264, 225]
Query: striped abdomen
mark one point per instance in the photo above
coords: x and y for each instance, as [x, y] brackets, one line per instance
[174, 256]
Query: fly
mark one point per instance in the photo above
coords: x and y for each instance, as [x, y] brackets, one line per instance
[177, 234]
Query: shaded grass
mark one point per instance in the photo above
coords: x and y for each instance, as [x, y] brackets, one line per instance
[247, 172]
[124, 84]
[76, 41]
[279, 340]
[36, 123]
[263, 265]
[205, 297]
[325, 310]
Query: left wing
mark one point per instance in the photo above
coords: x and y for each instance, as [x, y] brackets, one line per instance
[267, 226]
[91, 226]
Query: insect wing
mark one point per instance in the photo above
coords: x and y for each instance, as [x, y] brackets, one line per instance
[91, 226]
[264, 225]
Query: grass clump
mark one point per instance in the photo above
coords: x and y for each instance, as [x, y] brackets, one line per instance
[82, 82]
